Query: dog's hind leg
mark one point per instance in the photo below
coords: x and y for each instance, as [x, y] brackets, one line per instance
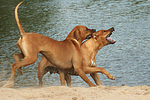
[26, 61]
[17, 58]
[42, 69]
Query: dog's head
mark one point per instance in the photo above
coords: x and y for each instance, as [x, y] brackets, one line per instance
[80, 33]
[103, 36]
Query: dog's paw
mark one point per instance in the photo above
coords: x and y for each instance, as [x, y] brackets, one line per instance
[8, 84]
[111, 77]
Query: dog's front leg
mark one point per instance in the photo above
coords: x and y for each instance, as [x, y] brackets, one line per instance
[96, 78]
[82, 74]
[89, 70]
[68, 79]
[77, 64]
[62, 77]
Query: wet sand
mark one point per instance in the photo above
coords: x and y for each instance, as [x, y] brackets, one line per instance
[77, 93]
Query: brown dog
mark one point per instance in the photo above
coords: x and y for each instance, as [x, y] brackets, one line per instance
[100, 39]
[63, 54]
[89, 50]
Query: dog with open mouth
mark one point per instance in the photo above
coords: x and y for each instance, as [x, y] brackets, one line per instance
[89, 50]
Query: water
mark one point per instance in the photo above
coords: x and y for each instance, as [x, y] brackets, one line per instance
[128, 60]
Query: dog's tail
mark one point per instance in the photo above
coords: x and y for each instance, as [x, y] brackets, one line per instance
[22, 32]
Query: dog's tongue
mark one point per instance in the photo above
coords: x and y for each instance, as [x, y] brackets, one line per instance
[110, 39]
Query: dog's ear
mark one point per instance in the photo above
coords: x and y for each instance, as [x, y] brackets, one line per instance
[76, 34]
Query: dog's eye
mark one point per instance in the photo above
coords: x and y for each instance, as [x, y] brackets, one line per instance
[104, 31]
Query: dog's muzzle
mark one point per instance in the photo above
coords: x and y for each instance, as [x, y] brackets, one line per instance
[93, 30]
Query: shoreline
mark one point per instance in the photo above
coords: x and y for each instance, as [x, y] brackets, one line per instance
[77, 93]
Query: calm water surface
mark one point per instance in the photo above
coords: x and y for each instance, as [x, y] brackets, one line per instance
[128, 60]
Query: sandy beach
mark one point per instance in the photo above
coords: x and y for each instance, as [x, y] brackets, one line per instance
[77, 93]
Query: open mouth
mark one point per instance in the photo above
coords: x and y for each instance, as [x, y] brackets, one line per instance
[108, 38]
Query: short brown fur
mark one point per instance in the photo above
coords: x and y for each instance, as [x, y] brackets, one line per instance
[89, 50]
[63, 54]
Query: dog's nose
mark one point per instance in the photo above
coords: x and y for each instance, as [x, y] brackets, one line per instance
[112, 29]
[93, 30]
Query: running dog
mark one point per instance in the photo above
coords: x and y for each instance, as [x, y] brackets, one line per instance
[63, 54]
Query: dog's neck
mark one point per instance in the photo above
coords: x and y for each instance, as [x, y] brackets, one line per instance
[74, 41]
[77, 40]
[98, 44]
